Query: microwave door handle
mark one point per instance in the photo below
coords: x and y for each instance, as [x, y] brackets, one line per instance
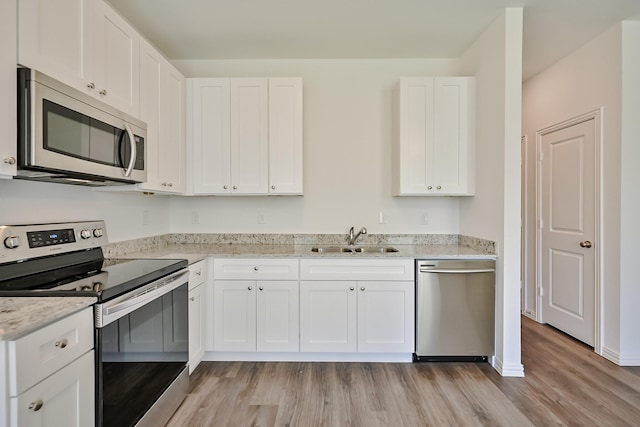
[132, 142]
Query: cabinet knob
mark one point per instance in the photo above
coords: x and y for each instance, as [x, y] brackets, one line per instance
[103, 92]
[362, 288]
[199, 273]
[235, 187]
[170, 184]
[273, 187]
[164, 184]
[62, 343]
[261, 288]
[91, 85]
[225, 187]
[192, 299]
[255, 268]
[10, 160]
[429, 188]
[351, 288]
[250, 288]
[439, 187]
[36, 406]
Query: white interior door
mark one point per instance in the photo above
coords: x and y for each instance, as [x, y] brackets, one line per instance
[569, 228]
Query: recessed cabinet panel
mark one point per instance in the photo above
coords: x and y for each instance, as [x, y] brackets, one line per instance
[434, 136]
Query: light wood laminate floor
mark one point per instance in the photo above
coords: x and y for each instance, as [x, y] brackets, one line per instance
[565, 384]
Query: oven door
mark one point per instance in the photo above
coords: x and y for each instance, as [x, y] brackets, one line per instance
[142, 351]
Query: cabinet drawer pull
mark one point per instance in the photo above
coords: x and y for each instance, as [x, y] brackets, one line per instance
[351, 288]
[91, 85]
[225, 187]
[273, 187]
[429, 188]
[362, 288]
[192, 299]
[261, 288]
[36, 406]
[255, 269]
[62, 343]
[103, 92]
[199, 273]
[10, 160]
[235, 187]
[439, 187]
[250, 287]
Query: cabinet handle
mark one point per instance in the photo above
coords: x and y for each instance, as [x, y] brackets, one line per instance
[439, 187]
[10, 160]
[103, 92]
[91, 85]
[250, 288]
[199, 273]
[235, 187]
[273, 187]
[351, 288]
[429, 188]
[225, 187]
[36, 406]
[164, 184]
[362, 288]
[170, 184]
[255, 268]
[192, 299]
[62, 343]
[261, 288]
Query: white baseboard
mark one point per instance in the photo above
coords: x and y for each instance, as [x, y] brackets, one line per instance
[621, 360]
[516, 370]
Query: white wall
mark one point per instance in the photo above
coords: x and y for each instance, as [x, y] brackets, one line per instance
[603, 73]
[630, 197]
[29, 202]
[347, 154]
[494, 213]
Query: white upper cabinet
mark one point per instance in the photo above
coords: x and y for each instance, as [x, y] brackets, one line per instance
[162, 107]
[434, 136]
[83, 43]
[249, 136]
[285, 136]
[8, 108]
[245, 136]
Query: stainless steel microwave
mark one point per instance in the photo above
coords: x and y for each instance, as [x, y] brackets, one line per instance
[67, 136]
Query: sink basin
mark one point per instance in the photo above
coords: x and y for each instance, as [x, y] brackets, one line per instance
[354, 249]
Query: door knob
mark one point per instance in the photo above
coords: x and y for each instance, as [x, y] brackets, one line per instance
[585, 244]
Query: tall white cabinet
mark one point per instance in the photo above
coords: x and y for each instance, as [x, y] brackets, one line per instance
[434, 136]
[8, 109]
[245, 136]
[85, 44]
[162, 107]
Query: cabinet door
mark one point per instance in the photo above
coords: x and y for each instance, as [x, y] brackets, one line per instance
[277, 316]
[196, 326]
[55, 37]
[249, 136]
[285, 136]
[175, 321]
[150, 71]
[414, 154]
[386, 317]
[171, 161]
[8, 109]
[452, 134]
[66, 398]
[209, 135]
[234, 315]
[116, 59]
[328, 316]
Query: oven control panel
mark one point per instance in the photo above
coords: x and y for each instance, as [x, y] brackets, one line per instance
[20, 242]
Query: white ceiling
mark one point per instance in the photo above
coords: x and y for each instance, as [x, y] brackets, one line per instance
[296, 29]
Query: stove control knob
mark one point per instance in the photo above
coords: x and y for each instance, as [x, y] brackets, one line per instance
[12, 242]
[98, 232]
[86, 234]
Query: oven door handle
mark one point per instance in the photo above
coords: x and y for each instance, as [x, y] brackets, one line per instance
[113, 310]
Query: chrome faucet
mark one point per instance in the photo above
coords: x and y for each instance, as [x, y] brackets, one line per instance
[352, 238]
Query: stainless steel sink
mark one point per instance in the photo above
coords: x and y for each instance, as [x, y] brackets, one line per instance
[354, 249]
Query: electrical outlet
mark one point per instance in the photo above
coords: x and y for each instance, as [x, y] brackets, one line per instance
[195, 217]
[145, 217]
[382, 218]
[424, 218]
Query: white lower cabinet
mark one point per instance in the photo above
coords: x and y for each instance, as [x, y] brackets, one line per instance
[362, 316]
[256, 305]
[197, 313]
[48, 375]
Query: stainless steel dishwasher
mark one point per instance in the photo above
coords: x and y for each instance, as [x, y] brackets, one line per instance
[455, 310]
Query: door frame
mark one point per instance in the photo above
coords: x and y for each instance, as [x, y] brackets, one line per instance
[597, 116]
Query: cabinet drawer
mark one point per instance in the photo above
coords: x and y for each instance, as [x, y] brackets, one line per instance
[256, 269]
[39, 354]
[357, 269]
[197, 274]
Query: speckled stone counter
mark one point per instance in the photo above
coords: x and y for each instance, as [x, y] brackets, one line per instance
[22, 315]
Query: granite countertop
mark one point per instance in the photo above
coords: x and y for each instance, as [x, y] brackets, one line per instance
[194, 252]
[22, 315]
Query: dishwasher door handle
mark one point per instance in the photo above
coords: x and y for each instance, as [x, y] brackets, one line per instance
[458, 270]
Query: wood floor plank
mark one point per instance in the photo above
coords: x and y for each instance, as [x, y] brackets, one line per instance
[565, 384]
